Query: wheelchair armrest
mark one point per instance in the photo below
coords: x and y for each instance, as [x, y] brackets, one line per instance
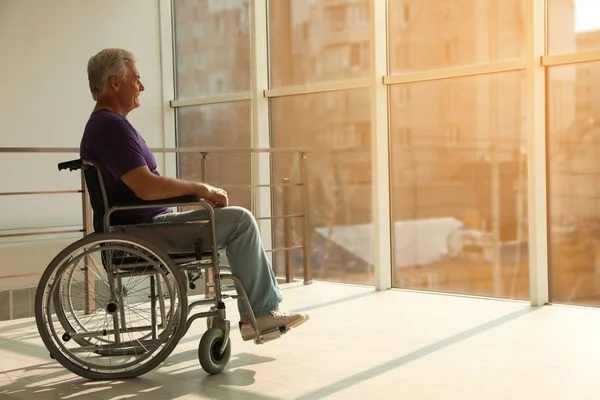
[71, 165]
[173, 201]
[170, 202]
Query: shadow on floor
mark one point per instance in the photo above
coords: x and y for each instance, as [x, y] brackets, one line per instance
[51, 380]
[179, 376]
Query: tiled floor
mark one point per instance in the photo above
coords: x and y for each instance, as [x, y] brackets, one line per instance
[358, 344]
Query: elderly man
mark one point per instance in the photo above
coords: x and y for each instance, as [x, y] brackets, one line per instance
[129, 171]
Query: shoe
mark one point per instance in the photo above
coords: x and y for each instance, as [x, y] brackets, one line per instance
[273, 320]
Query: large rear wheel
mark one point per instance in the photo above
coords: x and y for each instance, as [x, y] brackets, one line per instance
[111, 306]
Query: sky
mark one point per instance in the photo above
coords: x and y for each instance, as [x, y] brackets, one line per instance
[587, 15]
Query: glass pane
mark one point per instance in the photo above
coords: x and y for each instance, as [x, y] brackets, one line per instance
[573, 25]
[218, 126]
[574, 184]
[212, 47]
[429, 34]
[459, 185]
[339, 179]
[318, 41]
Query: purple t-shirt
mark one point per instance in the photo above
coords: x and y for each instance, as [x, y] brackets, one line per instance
[112, 144]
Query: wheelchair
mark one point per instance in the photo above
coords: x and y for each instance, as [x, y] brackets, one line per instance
[114, 304]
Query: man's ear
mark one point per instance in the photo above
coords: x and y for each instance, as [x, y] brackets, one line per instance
[114, 83]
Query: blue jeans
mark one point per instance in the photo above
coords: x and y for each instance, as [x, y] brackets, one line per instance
[238, 235]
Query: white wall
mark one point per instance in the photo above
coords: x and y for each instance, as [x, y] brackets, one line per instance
[45, 99]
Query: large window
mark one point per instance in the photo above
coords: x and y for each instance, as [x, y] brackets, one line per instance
[459, 184]
[457, 145]
[212, 58]
[317, 42]
[574, 167]
[212, 127]
[573, 106]
[459, 135]
[212, 47]
[339, 176]
[434, 34]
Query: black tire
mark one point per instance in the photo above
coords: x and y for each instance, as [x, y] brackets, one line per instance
[209, 351]
[176, 329]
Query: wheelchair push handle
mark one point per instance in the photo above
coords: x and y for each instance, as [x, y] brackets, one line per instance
[71, 165]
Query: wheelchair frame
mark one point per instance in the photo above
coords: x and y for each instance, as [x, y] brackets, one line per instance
[215, 345]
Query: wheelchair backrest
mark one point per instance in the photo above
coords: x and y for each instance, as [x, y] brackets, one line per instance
[98, 199]
[96, 190]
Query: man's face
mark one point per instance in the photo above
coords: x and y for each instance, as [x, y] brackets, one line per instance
[130, 87]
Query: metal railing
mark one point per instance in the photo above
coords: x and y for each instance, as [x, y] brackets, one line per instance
[286, 186]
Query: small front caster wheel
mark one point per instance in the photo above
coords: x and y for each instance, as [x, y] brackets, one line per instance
[209, 351]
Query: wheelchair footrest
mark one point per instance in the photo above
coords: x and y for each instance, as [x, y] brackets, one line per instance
[271, 334]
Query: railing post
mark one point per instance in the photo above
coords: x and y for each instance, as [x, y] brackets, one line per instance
[204, 178]
[306, 236]
[287, 242]
[203, 165]
[10, 304]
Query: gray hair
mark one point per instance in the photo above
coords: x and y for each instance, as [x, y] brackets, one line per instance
[105, 64]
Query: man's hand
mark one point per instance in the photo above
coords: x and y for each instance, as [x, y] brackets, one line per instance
[215, 196]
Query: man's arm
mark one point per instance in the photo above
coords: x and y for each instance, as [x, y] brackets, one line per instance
[148, 186]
